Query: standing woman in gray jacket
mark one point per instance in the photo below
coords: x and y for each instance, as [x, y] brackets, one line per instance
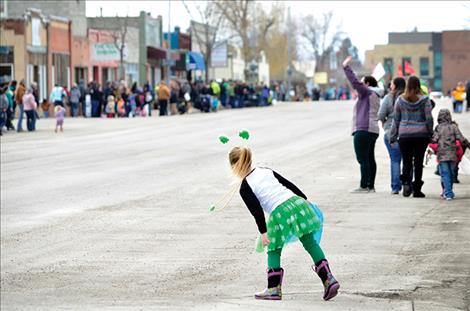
[386, 117]
[412, 127]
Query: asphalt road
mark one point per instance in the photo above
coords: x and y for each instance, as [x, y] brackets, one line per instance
[114, 214]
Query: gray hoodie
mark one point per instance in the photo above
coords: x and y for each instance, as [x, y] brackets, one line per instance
[386, 112]
[412, 120]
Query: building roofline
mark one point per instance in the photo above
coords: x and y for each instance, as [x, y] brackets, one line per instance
[59, 18]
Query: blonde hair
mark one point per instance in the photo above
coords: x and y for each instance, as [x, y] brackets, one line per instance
[240, 161]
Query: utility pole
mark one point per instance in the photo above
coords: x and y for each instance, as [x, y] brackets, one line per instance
[168, 52]
[254, 64]
[289, 56]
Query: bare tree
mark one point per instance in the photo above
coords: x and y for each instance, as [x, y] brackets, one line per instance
[205, 32]
[119, 36]
[321, 38]
[241, 21]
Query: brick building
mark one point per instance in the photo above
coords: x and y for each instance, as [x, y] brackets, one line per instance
[420, 50]
[59, 52]
[23, 53]
[74, 10]
[440, 58]
[144, 44]
[104, 59]
[64, 20]
[455, 58]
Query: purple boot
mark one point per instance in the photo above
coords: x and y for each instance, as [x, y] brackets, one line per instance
[273, 291]
[329, 281]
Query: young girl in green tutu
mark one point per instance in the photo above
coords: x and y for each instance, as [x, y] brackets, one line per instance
[289, 215]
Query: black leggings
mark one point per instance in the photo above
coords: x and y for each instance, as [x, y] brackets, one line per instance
[412, 151]
[364, 145]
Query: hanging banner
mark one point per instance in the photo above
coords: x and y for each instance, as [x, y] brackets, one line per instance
[219, 55]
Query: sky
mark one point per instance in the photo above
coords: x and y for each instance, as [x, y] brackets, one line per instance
[367, 23]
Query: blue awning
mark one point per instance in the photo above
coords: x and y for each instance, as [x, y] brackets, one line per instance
[196, 61]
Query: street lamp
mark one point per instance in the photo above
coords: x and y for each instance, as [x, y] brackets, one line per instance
[289, 69]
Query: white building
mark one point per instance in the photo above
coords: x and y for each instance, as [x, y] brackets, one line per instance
[235, 69]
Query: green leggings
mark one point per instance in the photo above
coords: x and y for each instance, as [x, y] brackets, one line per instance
[310, 245]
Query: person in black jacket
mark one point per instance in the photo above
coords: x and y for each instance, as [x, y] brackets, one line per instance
[289, 216]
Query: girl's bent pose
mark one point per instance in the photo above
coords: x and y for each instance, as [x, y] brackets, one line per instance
[289, 216]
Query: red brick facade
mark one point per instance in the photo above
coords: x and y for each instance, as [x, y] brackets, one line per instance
[60, 67]
[455, 58]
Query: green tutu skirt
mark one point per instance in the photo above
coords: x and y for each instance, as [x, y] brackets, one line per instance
[289, 221]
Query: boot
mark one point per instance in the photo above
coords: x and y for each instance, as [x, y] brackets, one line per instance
[406, 186]
[330, 284]
[417, 189]
[273, 291]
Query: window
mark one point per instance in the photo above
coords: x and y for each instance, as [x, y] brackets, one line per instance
[81, 73]
[6, 72]
[388, 66]
[36, 31]
[7, 54]
[95, 73]
[61, 69]
[437, 70]
[132, 72]
[424, 66]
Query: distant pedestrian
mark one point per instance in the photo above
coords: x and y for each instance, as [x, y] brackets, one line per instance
[19, 101]
[74, 99]
[83, 93]
[59, 117]
[3, 107]
[467, 94]
[57, 95]
[9, 93]
[386, 116]
[458, 96]
[365, 128]
[163, 97]
[412, 128]
[110, 107]
[45, 105]
[30, 106]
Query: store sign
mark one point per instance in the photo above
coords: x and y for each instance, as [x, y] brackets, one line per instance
[106, 52]
[219, 55]
[153, 33]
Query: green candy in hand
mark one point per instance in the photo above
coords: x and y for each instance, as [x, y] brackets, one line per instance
[244, 134]
[223, 139]
[259, 247]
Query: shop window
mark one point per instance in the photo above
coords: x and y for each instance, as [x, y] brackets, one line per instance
[81, 73]
[424, 66]
[7, 54]
[61, 63]
[6, 72]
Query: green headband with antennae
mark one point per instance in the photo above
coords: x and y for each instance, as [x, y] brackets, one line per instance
[243, 134]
